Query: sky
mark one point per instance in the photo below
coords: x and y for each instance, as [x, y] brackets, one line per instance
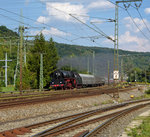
[81, 22]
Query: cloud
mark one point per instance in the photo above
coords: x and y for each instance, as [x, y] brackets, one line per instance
[62, 11]
[103, 4]
[131, 26]
[52, 31]
[133, 43]
[43, 19]
[147, 10]
[27, 2]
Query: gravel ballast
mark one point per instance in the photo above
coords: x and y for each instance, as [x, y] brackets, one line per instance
[31, 114]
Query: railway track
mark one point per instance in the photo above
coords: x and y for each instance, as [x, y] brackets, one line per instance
[25, 95]
[58, 96]
[98, 131]
[50, 128]
[44, 92]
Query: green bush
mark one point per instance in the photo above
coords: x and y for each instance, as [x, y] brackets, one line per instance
[2, 83]
[147, 91]
[141, 131]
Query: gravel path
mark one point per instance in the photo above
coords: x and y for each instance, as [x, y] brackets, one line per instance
[32, 114]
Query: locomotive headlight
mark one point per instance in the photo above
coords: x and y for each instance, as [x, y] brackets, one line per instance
[60, 82]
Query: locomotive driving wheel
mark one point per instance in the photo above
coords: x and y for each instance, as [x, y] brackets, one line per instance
[74, 83]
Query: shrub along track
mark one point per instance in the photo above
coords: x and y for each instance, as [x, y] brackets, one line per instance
[59, 95]
[73, 120]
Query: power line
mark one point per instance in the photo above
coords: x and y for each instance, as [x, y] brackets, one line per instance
[37, 22]
[32, 19]
[131, 19]
[115, 4]
[14, 20]
[137, 26]
[69, 15]
[137, 9]
[72, 15]
[91, 17]
[142, 19]
[45, 23]
[92, 28]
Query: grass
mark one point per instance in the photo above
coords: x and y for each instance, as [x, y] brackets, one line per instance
[143, 130]
[7, 89]
[147, 91]
[107, 102]
[95, 104]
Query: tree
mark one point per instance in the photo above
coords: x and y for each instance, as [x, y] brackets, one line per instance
[26, 79]
[50, 59]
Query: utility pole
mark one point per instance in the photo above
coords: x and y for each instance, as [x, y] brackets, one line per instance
[116, 61]
[88, 69]
[71, 63]
[21, 29]
[16, 69]
[21, 45]
[5, 68]
[10, 46]
[145, 77]
[116, 42]
[41, 71]
[24, 52]
[93, 62]
[108, 73]
[135, 76]
[121, 70]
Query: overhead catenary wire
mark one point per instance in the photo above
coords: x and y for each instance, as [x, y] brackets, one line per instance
[91, 17]
[137, 25]
[92, 28]
[142, 19]
[44, 23]
[15, 20]
[99, 30]
[33, 21]
[60, 29]
[72, 15]
[132, 20]
[137, 9]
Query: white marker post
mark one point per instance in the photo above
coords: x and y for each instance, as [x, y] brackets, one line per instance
[5, 68]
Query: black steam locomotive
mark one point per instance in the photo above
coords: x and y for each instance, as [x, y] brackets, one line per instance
[68, 80]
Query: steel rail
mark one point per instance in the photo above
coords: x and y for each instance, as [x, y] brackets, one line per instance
[70, 127]
[67, 125]
[74, 118]
[55, 97]
[104, 125]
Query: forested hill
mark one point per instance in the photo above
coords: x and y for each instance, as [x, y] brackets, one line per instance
[76, 50]
[74, 54]
[80, 56]
[5, 32]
